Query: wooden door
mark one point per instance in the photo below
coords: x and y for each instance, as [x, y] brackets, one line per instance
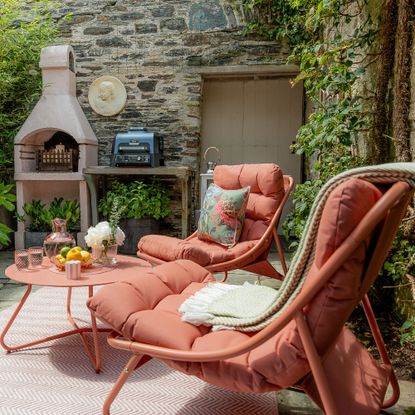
[252, 121]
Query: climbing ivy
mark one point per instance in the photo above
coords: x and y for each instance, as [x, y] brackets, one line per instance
[329, 40]
[334, 43]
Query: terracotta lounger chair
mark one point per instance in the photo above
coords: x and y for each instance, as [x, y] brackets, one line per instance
[270, 190]
[307, 346]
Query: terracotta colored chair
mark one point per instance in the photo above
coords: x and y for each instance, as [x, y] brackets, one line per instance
[307, 347]
[270, 190]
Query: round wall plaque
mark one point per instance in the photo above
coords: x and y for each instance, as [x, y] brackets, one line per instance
[107, 95]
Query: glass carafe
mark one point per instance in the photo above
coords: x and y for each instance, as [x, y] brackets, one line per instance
[58, 238]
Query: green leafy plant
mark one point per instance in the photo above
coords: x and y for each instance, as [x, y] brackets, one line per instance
[333, 42]
[40, 216]
[7, 200]
[25, 27]
[137, 199]
[408, 331]
[331, 63]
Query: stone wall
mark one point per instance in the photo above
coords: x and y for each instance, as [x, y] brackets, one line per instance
[153, 47]
[412, 109]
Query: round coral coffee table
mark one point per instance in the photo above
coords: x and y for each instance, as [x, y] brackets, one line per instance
[47, 277]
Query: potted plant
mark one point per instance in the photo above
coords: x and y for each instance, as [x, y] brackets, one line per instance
[38, 218]
[7, 200]
[141, 207]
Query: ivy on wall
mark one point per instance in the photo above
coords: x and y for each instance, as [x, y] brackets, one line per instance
[331, 51]
[335, 42]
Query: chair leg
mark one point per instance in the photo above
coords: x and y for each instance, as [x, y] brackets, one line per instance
[132, 364]
[316, 366]
[377, 335]
[280, 251]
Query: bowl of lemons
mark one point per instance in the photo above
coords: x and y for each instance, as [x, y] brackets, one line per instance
[68, 253]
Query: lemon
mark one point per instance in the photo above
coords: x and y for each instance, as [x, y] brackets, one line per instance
[74, 255]
[86, 256]
[78, 248]
[59, 257]
[64, 251]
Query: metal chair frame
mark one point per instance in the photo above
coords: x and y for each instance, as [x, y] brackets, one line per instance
[382, 223]
[255, 260]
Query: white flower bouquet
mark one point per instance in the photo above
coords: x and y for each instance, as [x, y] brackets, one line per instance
[104, 240]
[105, 237]
[103, 234]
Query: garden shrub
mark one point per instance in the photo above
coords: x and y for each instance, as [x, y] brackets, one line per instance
[25, 28]
[335, 43]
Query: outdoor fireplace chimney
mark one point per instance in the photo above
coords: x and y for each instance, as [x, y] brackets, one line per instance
[57, 114]
[58, 108]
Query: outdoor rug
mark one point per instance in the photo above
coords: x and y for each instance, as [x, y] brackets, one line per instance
[57, 378]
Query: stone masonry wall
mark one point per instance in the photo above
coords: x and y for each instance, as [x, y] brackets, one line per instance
[151, 46]
[412, 109]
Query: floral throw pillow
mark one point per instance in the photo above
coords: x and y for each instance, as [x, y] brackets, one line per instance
[222, 215]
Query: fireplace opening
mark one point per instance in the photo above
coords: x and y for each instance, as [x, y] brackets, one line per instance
[60, 153]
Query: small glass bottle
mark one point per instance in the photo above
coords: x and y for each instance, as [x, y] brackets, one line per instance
[58, 238]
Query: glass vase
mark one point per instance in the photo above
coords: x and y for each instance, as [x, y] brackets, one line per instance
[58, 238]
[105, 255]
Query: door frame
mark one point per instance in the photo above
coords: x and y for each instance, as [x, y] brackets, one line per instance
[253, 72]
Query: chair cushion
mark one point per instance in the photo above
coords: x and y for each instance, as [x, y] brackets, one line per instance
[144, 291]
[204, 253]
[145, 309]
[222, 215]
[266, 184]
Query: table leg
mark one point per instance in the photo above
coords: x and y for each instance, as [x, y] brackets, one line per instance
[12, 318]
[95, 358]
[35, 342]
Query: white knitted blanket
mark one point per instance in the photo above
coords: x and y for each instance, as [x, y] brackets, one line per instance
[250, 307]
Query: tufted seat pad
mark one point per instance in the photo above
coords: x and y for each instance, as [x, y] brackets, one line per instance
[144, 309]
[266, 182]
[136, 306]
[202, 252]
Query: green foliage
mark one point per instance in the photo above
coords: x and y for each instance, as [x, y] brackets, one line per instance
[332, 55]
[138, 199]
[40, 216]
[7, 196]
[25, 27]
[401, 259]
[7, 200]
[331, 62]
[399, 265]
[408, 331]
[115, 215]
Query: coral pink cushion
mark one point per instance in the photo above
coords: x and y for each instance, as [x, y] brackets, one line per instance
[145, 309]
[266, 184]
[202, 252]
